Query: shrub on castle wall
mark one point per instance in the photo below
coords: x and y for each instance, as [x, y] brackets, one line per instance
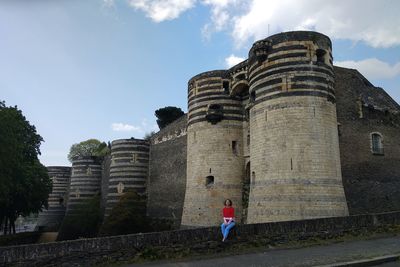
[129, 216]
[91, 147]
[84, 222]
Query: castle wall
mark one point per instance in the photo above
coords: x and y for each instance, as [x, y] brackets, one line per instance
[85, 182]
[128, 170]
[294, 150]
[167, 173]
[215, 150]
[105, 178]
[51, 218]
[372, 181]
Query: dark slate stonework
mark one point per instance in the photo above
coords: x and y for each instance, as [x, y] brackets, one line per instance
[106, 250]
[371, 182]
[105, 177]
[167, 176]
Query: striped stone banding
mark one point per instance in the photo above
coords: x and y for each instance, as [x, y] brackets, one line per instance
[285, 48]
[51, 218]
[258, 65]
[286, 56]
[139, 148]
[85, 182]
[228, 105]
[226, 118]
[219, 93]
[289, 68]
[296, 87]
[209, 82]
[313, 93]
[209, 88]
[225, 112]
[208, 99]
[209, 91]
[128, 170]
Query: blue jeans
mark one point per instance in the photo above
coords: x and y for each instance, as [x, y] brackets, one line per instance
[226, 227]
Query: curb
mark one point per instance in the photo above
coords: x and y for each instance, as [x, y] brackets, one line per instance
[365, 262]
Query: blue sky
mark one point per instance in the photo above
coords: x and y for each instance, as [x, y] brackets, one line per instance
[100, 68]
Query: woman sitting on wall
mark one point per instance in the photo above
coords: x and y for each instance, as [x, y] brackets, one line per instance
[228, 213]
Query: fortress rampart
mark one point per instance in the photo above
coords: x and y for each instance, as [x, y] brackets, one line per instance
[85, 182]
[268, 124]
[294, 151]
[51, 218]
[128, 169]
[214, 155]
[167, 173]
[275, 134]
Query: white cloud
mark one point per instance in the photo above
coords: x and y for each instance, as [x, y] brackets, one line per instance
[232, 60]
[372, 68]
[143, 128]
[108, 3]
[221, 12]
[122, 127]
[375, 22]
[161, 10]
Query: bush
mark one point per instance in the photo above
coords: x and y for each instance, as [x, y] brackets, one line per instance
[83, 223]
[128, 216]
[19, 239]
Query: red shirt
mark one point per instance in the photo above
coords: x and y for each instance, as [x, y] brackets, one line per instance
[228, 212]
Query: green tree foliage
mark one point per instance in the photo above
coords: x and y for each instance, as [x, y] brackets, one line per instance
[149, 135]
[127, 217]
[167, 115]
[85, 221]
[24, 182]
[91, 147]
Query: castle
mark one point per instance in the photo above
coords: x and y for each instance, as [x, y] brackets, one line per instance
[284, 134]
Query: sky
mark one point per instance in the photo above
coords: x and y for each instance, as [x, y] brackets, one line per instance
[100, 68]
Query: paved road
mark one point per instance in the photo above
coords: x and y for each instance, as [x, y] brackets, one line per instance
[311, 256]
[389, 264]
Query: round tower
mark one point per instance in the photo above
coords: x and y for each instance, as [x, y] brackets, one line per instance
[128, 170]
[214, 149]
[85, 181]
[295, 161]
[51, 218]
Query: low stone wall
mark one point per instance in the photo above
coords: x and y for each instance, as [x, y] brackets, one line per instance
[108, 249]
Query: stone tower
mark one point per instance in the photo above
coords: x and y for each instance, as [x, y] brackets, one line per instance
[215, 150]
[85, 182]
[294, 151]
[51, 219]
[128, 170]
[268, 124]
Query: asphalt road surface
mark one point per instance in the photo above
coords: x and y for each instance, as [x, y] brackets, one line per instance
[309, 256]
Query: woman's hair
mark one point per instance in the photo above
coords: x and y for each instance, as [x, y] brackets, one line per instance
[230, 202]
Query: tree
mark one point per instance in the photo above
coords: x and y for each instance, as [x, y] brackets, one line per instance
[84, 222]
[24, 182]
[127, 217]
[167, 115]
[149, 135]
[91, 147]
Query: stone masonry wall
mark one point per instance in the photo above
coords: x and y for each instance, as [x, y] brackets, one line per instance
[215, 164]
[294, 150]
[105, 177]
[90, 252]
[167, 172]
[371, 181]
